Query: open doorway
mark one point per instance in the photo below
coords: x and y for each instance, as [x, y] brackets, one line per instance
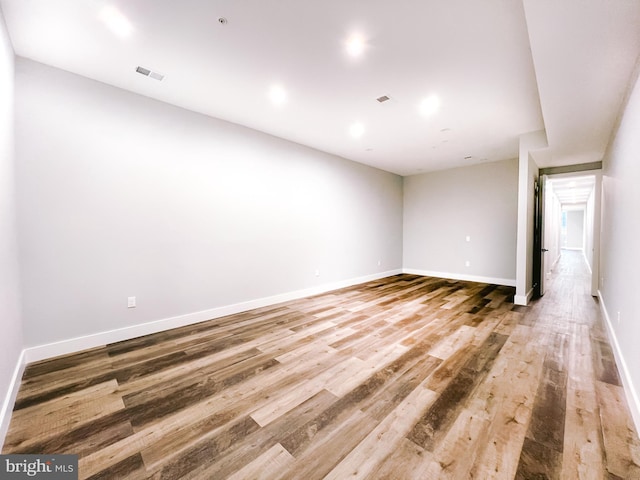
[569, 220]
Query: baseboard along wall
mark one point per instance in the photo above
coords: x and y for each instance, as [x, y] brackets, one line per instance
[10, 399]
[633, 399]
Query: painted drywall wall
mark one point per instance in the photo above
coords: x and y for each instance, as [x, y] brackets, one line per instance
[588, 230]
[532, 179]
[443, 208]
[552, 226]
[620, 255]
[575, 229]
[530, 143]
[121, 195]
[10, 317]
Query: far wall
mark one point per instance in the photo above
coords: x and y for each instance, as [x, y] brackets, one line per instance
[575, 229]
[442, 209]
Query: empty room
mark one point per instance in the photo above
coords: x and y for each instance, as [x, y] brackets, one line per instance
[271, 239]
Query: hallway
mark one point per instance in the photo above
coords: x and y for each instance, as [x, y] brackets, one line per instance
[581, 420]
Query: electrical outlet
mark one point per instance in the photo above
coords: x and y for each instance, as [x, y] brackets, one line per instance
[317, 273]
[131, 302]
[468, 238]
[379, 262]
[467, 263]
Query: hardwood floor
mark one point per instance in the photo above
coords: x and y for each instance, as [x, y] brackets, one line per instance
[403, 378]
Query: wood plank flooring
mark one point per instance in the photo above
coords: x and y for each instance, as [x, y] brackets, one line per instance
[406, 377]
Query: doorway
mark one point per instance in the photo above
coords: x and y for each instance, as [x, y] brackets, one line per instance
[567, 218]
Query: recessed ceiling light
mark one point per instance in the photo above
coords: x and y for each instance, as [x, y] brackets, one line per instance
[116, 21]
[278, 95]
[355, 45]
[429, 105]
[356, 130]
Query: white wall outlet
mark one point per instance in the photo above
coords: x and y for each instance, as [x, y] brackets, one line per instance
[317, 273]
[379, 262]
[468, 238]
[131, 302]
[467, 263]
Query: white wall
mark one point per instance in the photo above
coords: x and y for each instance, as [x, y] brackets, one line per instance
[121, 195]
[620, 249]
[552, 228]
[575, 229]
[10, 317]
[442, 208]
[530, 144]
[589, 215]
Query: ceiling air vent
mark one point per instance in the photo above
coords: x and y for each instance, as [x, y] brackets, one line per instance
[149, 73]
[383, 98]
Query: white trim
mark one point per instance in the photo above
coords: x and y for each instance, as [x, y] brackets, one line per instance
[63, 347]
[509, 282]
[631, 393]
[10, 398]
[586, 262]
[523, 299]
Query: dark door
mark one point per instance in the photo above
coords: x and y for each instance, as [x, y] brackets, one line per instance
[538, 232]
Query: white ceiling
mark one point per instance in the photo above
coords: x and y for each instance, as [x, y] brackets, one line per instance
[500, 68]
[574, 190]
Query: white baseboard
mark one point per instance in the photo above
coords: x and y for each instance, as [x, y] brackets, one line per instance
[523, 299]
[10, 398]
[41, 352]
[509, 282]
[633, 399]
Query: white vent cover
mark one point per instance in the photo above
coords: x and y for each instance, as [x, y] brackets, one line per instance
[149, 73]
[383, 98]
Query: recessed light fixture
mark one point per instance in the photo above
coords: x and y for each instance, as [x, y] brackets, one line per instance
[356, 45]
[278, 95]
[429, 105]
[356, 130]
[116, 21]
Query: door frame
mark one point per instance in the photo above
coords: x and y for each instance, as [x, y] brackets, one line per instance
[567, 172]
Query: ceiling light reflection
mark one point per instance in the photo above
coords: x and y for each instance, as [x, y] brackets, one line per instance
[356, 130]
[278, 95]
[355, 45]
[429, 105]
[116, 21]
